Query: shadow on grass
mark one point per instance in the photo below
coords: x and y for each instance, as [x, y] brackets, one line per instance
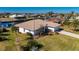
[32, 46]
[5, 30]
[5, 34]
[27, 48]
[76, 30]
[3, 39]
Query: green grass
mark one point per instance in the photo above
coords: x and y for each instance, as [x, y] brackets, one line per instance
[10, 44]
[59, 43]
[50, 42]
[69, 29]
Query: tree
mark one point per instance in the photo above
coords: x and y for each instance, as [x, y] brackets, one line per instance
[13, 29]
[50, 13]
[75, 24]
[66, 22]
[32, 45]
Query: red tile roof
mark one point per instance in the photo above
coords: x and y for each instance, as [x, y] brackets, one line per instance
[55, 19]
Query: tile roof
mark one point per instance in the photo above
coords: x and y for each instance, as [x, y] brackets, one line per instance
[36, 24]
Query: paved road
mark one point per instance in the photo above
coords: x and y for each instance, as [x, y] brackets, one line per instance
[69, 34]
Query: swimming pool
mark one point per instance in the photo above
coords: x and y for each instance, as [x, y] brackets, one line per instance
[6, 24]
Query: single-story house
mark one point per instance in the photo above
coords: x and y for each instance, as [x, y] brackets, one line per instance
[16, 15]
[54, 27]
[56, 20]
[36, 26]
[12, 15]
[6, 22]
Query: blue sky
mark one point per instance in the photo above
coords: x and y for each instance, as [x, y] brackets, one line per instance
[40, 9]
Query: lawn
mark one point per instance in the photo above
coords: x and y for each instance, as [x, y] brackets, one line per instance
[69, 29]
[55, 42]
[59, 43]
[10, 43]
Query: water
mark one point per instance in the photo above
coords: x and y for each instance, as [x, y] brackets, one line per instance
[6, 24]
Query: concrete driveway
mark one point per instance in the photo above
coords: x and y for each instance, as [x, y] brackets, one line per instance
[69, 34]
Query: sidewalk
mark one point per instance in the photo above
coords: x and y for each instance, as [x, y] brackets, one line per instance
[69, 34]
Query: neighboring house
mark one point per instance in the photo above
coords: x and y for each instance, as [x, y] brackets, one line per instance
[37, 26]
[6, 22]
[12, 15]
[16, 15]
[56, 20]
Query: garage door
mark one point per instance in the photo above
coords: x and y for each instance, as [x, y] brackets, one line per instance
[52, 29]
